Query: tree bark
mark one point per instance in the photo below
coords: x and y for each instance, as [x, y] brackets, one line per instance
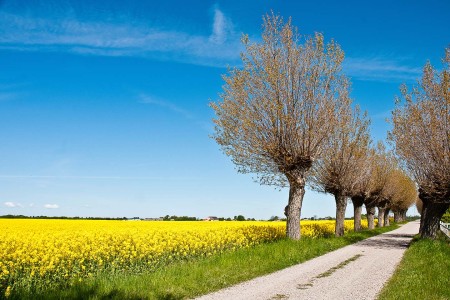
[402, 214]
[431, 215]
[370, 216]
[357, 210]
[386, 217]
[296, 193]
[341, 205]
[422, 216]
[397, 216]
[381, 217]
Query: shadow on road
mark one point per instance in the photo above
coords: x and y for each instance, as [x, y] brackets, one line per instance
[399, 235]
[388, 241]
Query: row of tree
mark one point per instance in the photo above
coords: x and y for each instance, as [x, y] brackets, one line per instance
[286, 116]
[368, 176]
[421, 135]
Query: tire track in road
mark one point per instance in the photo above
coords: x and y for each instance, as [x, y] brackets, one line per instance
[357, 271]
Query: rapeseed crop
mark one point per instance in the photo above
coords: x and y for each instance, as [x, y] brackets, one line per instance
[36, 254]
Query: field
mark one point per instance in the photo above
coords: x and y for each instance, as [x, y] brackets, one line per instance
[42, 254]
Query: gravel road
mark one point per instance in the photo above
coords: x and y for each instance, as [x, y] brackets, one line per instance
[357, 271]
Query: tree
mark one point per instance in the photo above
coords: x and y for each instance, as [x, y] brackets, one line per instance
[446, 217]
[382, 163]
[337, 171]
[419, 205]
[402, 193]
[239, 218]
[359, 191]
[421, 135]
[279, 110]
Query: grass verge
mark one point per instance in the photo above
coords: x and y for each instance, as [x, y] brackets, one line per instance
[423, 272]
[189, 279]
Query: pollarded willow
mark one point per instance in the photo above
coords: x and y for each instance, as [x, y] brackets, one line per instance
[279, 110]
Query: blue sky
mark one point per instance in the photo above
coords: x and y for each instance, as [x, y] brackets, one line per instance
[104, 104]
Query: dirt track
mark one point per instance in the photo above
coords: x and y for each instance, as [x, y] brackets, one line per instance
[358, 271]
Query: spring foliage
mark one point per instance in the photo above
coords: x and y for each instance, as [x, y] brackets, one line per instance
[421, 131]
[280, 109]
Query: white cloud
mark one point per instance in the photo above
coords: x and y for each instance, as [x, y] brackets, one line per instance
[221, 29]
[147, 99]
[12, 204]
[120, 39]
[380, 69]
[51, 206]
[93, 177]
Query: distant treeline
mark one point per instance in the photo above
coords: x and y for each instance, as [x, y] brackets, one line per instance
[62, 217]
[186, 218]
[180, 218]
[165, 218]
[177, 218]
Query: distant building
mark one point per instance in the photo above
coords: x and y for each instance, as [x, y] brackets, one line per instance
[210, 218]
[154, 219]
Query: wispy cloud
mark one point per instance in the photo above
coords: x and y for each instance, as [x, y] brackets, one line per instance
[51, 206]
[147, 99]
[380, 69]
[9, 92]
[12, 204]
[6, 96]
[94, 177]
[105, 38]
[222, 28]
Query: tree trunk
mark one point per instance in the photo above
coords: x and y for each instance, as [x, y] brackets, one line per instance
[400, 216]
[422, 215]
[397, 216]
[431, 216]
[357, 209]
[296, 193]
[341, 205]
[370, 216]
[386, 217]
[380, 217]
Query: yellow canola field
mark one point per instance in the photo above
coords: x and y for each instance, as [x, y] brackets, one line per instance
[61, 251]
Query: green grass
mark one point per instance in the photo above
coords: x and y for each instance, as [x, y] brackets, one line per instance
[423, 273]
[189, 279]
[339, 266]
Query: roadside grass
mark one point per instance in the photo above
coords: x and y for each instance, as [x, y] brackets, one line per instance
[423, 273]
[188, 279]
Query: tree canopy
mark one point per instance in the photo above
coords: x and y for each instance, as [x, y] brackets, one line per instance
[278, 112]
[421, 135]
[341, 166]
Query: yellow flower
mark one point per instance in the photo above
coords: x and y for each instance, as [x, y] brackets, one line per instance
[8, 292]
[70, 250]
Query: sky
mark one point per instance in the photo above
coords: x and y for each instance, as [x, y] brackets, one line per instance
[104, 104]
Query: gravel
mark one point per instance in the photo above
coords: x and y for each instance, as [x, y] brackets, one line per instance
[357, 271]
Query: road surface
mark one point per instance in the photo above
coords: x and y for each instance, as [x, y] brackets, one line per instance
[357, 271]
